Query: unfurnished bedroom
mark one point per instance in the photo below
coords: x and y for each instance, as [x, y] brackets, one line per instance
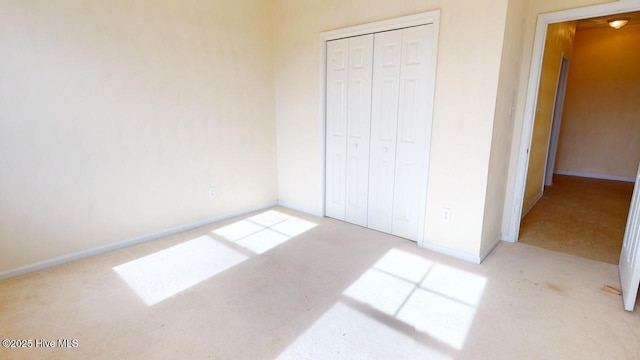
[320, 179]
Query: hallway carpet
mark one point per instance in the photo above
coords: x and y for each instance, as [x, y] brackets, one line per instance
[580, 216]
[281, 284]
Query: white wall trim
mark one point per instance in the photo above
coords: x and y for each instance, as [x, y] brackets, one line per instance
[596, 176]
[425, 18]
[532, 93]
[125, 243]
[533, 203]
[429, 17]
[322, 124]
[491, 247]
[450, 252]
[301, 209]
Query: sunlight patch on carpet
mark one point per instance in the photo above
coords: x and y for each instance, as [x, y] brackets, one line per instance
[167, 272]
[264, 231]
[437, 300]
[160, 275]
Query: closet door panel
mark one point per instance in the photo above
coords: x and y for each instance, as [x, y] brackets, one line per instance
[337, 123]
[384, 123]
[358, 129]
[413, 132]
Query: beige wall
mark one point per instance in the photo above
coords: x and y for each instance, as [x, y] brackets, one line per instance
[601, 121]
[503, 122]
[116, 116]
[559, 44]
[470, 48]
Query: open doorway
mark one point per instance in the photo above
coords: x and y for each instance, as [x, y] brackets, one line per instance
[582, 159]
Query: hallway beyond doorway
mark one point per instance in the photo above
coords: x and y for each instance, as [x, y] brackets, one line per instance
[580, 216]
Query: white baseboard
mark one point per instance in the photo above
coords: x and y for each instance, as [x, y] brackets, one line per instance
[596, 176]
[461, 255]
[301, 209]
[526, 210]
[453, 253]
[125, 243]
[491, 247]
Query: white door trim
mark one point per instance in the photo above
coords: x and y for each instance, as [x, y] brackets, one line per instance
[629, 266]
[532, 93]
[425, 18]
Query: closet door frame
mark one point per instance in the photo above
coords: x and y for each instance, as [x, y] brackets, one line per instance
[425, 18]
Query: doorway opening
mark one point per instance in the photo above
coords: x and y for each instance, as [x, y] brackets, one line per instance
[581, 161]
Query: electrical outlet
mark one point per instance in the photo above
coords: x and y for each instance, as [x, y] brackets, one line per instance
[446, 214]
[212, 192]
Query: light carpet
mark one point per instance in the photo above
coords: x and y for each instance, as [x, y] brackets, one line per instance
[281, 284]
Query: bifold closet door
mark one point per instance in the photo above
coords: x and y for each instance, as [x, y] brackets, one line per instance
[384, 125]
[400, 134]
[349, 74]
[414, 131]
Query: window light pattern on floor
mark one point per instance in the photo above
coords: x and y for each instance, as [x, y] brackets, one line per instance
[344, 332]
[436, 299]
[401, 297]
[160, 275]
[265, 231]
[167, 272]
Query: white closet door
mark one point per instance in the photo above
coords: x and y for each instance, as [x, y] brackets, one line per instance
[414, 131]
[379, 100]
[358, 128]
[349, 73]
[384, 123]
[337, 114]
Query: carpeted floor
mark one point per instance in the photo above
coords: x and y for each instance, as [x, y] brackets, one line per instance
[580, 216]
[280, 284]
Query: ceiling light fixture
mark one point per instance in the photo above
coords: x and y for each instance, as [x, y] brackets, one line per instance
[618, 23]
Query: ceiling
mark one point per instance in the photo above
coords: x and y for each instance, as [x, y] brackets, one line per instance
[602, 21]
